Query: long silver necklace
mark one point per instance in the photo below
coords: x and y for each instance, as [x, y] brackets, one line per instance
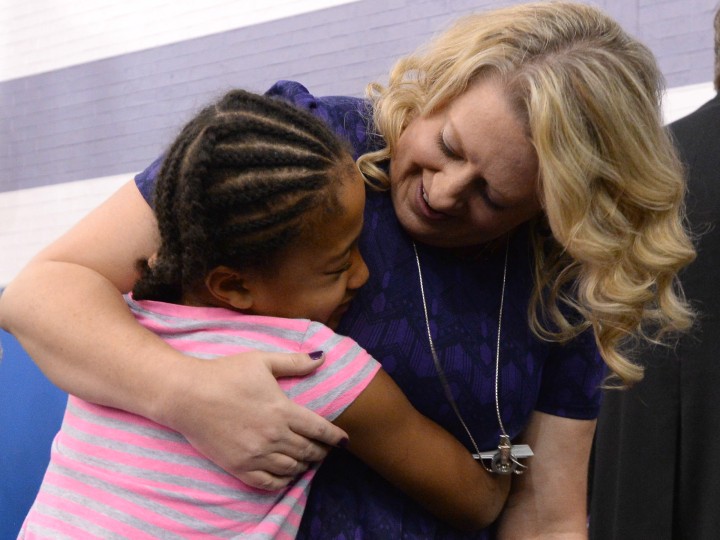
[504, 460]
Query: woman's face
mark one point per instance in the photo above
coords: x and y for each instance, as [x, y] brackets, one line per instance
[466, 174]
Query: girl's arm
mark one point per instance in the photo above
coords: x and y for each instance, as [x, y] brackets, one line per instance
[421, 458]
[66, 309]
[549, 500]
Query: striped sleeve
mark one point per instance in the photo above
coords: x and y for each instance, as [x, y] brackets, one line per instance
[346, 372]
[211, 332]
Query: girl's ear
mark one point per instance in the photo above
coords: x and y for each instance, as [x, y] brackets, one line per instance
[229, 287]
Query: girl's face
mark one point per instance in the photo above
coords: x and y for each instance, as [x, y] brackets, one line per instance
[318, 278]
[466, 174]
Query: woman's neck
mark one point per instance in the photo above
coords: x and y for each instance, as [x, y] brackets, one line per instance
[476, 252]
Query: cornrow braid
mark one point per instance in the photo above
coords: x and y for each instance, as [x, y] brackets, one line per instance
[243, 178]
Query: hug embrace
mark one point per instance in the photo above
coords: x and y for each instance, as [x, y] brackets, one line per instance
[522, 231]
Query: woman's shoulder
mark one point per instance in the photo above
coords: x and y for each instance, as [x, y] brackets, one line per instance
[349, 117]
[328, 107]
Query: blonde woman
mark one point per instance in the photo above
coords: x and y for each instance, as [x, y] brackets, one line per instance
[532, 228]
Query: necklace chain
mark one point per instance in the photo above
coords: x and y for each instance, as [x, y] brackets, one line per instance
[436, 360]
[497, 345]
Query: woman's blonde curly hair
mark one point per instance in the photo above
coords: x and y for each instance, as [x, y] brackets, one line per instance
[610, 181]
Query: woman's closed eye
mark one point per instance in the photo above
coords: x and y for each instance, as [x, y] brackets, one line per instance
[445, 149]
[482, 183]
[492, 204]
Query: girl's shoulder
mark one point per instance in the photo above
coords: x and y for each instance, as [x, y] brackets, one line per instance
[334, 385]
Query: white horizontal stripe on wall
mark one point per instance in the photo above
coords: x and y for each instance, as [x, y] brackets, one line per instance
[32, 218]
[683, 100]
[44, 35]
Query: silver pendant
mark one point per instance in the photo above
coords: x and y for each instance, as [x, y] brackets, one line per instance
[504, 460]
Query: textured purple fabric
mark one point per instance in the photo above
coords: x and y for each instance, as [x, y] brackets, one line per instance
[347, 499]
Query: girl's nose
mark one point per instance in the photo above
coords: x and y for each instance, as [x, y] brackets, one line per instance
[359, 273]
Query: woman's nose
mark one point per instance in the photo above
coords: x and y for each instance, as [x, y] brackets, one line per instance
[446, 192]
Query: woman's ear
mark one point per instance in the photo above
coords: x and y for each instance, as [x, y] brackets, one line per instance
[229, 287]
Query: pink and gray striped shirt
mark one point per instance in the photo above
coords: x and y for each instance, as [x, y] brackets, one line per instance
[113, 474]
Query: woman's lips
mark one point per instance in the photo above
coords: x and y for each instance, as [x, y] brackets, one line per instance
[424, 208]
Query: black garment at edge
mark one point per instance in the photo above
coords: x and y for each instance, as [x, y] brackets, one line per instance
[656, 464]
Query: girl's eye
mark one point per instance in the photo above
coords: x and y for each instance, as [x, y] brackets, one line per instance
[445, 149]
[345, 267]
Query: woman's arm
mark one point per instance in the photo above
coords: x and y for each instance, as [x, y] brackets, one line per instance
[421, 458]
[549, 500]
[66, 309]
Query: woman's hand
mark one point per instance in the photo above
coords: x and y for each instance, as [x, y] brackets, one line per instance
[232, 411]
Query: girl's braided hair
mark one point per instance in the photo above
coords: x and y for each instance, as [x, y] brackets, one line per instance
[242, 179]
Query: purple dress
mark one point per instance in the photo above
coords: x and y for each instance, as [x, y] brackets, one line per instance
[347, 499]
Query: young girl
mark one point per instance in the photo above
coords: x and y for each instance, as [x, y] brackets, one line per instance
[260, 208]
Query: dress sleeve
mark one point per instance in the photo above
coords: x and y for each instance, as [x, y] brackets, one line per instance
[145, 181]
[346, 372]
[571, 380]
[348, 117]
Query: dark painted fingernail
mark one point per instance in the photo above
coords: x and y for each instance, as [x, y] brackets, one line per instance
[343, 442]
[316, 355]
